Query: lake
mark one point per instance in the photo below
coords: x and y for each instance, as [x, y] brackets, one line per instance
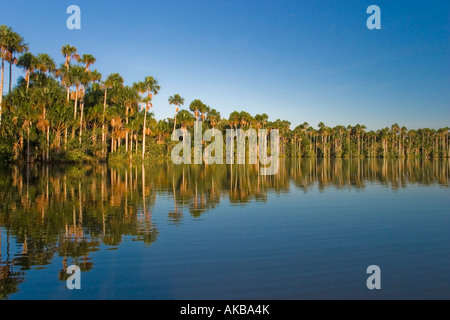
[162, 231]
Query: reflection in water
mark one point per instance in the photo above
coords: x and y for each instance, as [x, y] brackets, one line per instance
[69, 212]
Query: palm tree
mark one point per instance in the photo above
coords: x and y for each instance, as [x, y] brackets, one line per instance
[359, 130]
[213, 118]
[16, 45]
[234, 119]
[65, 78]
[114, 80]
[28, 63]
[162, 130]
[395, 129]
[148, 105]
[85, 81]
[5, 39]
[87, 60]
[245, 119]
[59, 116]
[130, 98]
[177, 100]
[151, 87]
[69, 53]
[186, 120]
[195, 107]
[403, 131]
[45, 63]
[90, 77]
[76, 75]
[25, 115]
[94, 117]
[45, 99]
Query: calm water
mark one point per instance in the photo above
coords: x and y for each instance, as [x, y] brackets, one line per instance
[221, 232]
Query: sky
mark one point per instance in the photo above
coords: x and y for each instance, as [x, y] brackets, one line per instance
[302, 61]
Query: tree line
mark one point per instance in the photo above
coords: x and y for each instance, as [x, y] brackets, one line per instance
[71, 112]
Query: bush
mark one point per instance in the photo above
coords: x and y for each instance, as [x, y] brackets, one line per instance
[311, 154]
[6, 151]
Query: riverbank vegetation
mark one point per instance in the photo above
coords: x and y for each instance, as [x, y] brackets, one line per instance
[70, 112]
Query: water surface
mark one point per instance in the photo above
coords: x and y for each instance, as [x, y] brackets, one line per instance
[224, 232]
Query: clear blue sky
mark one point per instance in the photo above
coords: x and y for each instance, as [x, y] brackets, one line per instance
[297, 60]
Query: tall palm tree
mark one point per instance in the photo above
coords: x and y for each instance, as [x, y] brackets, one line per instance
[359, 131]
[114, 80]
[85, 81]
[65, 78]
[234, 119]
[151, 87]
[395, 129]
[16, 45]
[28, 63]
[5, 39]
[177, 100]
[186, 120]
[148, 105]
[130, 98]
[76, 74]
[44, 99]
[213, 118]
[25, 115]
[195, 107]
[87, 60]
[69, 53]
[261, 119]
[45, 63]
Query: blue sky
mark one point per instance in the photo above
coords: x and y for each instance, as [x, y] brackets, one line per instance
[297, 60]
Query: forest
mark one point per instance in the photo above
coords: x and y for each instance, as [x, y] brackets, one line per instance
[68, 111]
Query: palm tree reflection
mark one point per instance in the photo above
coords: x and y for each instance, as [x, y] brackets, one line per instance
[71, 212]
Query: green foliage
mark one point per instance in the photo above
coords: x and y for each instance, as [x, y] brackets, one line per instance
[6, 151]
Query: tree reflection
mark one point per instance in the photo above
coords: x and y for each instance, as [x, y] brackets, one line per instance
[71, 212]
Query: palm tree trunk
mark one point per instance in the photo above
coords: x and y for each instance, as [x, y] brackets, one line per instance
[28, 143]
[65, 137]
[131, 142]
[1, 89]
[126, 131]
[448, 149]
[58, 138]
[44, 116]
[143, 134]
[81, 118]
[359, 146]
[10, 76]
[103, 125]
[48, 143]
[28, 79]
[112, 143]
[76, 104]
[175, 122]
